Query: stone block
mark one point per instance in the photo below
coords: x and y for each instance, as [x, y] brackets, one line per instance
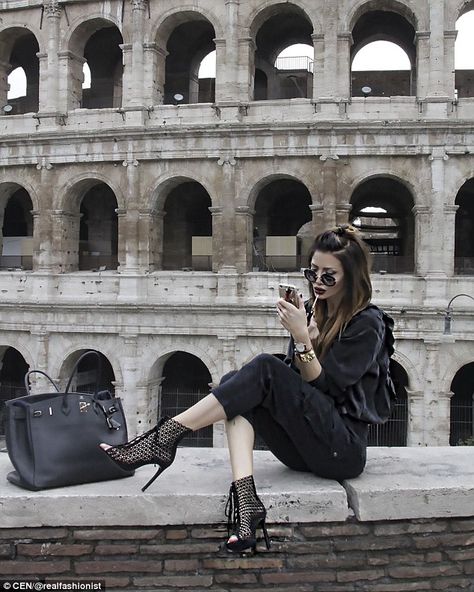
[403, 483]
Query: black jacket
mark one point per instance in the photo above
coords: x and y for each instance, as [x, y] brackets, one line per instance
[355, 369]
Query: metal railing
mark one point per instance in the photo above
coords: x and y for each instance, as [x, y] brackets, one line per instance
[392, 263]
[461, 423]
[97, 262]
[394, 431]
[16, 262]
[7, 392]
[175, 401]
[295, 63]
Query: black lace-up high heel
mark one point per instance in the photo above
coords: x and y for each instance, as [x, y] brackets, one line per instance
[157, 446]
[245, 512]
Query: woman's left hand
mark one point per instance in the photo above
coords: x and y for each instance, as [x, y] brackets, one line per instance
[293, 318]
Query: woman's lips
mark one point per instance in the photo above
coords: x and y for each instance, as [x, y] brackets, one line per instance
[319, 291]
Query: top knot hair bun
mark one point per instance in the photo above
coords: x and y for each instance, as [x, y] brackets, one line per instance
[344, 229]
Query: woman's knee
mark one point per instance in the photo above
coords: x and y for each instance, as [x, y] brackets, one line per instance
[227, 376]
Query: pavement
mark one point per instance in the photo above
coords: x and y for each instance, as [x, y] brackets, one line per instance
[398, 483]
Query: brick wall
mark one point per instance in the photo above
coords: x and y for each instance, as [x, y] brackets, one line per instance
[373, 557]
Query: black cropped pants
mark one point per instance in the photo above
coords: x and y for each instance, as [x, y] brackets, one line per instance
[299, 423]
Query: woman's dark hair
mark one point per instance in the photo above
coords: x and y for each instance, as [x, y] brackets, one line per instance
[346, 244]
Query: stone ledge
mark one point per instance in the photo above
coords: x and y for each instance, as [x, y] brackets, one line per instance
[398, 483]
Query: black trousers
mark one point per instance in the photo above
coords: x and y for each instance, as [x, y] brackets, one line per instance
[274, 398]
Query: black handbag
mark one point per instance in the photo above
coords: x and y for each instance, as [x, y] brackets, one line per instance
[53, 438]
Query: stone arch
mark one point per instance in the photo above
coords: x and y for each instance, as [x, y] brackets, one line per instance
[157, 193]
[462, 405]
[257, 183]
[414, 379]
[63, 362]
[454, 363]
[364, 6]
[270, 8]
[17, 227]
[13, 367]
[97, 41]
[82, 28]
[19, 47]
[70, 194]
[175, 16]
[382, 207]
[274, 28]
[9, 186]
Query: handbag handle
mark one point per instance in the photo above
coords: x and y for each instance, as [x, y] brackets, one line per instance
[65, 405]
[27, 381]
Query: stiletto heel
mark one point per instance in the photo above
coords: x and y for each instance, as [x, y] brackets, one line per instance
[245, 513]
[157, 446]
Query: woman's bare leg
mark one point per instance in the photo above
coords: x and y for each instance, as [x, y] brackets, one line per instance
[240, 439]
[203, 413]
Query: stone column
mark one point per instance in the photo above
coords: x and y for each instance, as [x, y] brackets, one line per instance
[71, 78]
[344, 42]
[150, 239]
[43, 89]
[449, 69]
[422, 64]
[226, 247]
[449, 237]
[342, 213]
[422, 239]
[440, 259]
[4, 86]
[128, 75]
[245, 69]
[217, 236]
[244, 229]
[49, 65]
[437, 404]
[319, 79]
[437, 69]
[62, 242]
[154, 71]
[128, 220]
[139, 9]
[329, 177]
[416, 418]
[227, 355]
[39, 383]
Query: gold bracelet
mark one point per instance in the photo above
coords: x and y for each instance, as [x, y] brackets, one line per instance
[308, 356]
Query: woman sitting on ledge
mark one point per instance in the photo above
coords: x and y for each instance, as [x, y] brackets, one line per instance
[313, 411]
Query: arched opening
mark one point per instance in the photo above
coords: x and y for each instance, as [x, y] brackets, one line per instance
[13, 368]
[281, 212]
[98, 230]
[18, 59]
[189, 43]
[16, 84]
[464, 230]
[289, 75]
[464, 54]
[462, 408]
[186, 380]
[103, 56]
[207, 78]
[383, 67]
[382, 210]
[394, 431]
[187, 228]
[383, 25]
[91, 375]
[17, 230]
[295, 69]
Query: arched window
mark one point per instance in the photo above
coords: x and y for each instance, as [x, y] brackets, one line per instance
[207, 78]
[186, 380]
[13, 368]
[188, 44]
[89, 375]
[464, 230]
[98, 230]
[187, 228]
[377, 75]
[383, 67]
[280, 75]
[279, 234]
[382, 209]
[462, 409]
[17, 231]
[464, 55]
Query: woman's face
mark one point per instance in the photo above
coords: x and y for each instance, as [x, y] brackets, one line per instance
[326, 263]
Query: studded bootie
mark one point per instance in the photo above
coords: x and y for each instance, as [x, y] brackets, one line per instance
[157, 446]
[245, 512]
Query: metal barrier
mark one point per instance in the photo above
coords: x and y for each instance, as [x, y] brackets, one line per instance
[175, 401]
[295, 63]
[394, 431]
[464, 265]
[462, 422]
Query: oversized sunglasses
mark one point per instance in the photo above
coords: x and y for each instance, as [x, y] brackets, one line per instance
[326, 278]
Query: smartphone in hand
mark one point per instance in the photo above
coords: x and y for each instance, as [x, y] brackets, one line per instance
[289, 293]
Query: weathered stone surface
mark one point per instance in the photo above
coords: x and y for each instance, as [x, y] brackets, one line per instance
[414, 483]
